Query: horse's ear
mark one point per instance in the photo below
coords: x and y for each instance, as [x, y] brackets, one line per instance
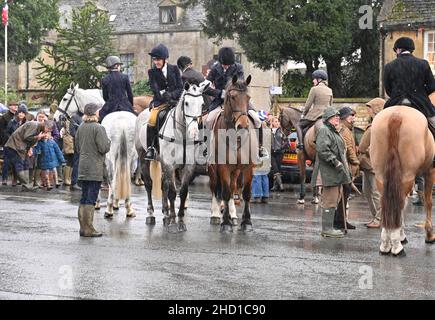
[76, 86]
[235, 79]
[71, 85]
[186, 86]
[206, 87]
[248, 80]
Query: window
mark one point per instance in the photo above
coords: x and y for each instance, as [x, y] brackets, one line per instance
[429, 48]
[128, 61]
[168, 15]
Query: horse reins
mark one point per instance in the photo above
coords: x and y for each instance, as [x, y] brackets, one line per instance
[64, 112]
[242, 113]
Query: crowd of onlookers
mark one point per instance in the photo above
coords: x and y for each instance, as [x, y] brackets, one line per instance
[51, 162]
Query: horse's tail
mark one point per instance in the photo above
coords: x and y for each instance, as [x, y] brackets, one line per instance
[156, 177]
[393, 198]
[122, 170]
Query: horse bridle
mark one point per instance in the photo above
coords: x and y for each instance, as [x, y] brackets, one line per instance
[65, 112]
[242, 113]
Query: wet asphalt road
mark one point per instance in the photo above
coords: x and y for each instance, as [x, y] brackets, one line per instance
[43, 257]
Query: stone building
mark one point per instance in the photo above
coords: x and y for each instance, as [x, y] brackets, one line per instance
[140, 25]
[407, 18]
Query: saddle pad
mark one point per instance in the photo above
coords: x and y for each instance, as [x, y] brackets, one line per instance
[152, 121]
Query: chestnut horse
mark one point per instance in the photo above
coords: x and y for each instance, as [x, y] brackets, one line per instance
[288, 119]
[141, 103]
[402, 147]
[231, 158]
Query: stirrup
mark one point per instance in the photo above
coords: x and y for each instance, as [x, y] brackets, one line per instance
[263, 154]
[154, 153]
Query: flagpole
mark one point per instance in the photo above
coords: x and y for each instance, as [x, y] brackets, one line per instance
[6, 65]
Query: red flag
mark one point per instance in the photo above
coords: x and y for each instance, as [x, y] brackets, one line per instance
[5, 15]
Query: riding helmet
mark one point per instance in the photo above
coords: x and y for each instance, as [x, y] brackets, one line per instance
[112, 62]
[320, 74]
[183, 62]
[160, 52]
[226, 56]
[404, 43]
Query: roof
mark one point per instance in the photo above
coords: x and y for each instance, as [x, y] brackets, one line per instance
[142, 16]
[396, 14]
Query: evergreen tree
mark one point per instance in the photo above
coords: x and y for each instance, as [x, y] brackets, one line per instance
[80, 52]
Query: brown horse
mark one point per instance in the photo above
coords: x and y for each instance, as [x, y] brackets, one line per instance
[141, 103]
[288, 118]
[402, 147]
[224, 174]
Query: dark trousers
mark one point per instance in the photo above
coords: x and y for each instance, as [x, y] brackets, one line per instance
[75, 170]
[7, 164]
[300, 127]
[339, 218]
[276, 162]
[17, 162]
[90, 190]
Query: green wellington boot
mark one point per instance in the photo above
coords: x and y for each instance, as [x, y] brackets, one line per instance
[328, 224]
[88, 218]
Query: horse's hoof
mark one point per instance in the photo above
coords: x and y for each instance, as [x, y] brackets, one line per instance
[400, 254]
[182, 227]
[382, 253]
[97, 206]
[226, 228]
[108, 215]
[301, 201]
[150, 220]
[115, 208]
[166, 221]
[215, 221]
[246, 227]
[131, 215]
[234, 221]
[405, 241]
[172, 228]
[430, 241]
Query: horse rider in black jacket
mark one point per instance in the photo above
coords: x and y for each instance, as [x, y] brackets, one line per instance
[409, 81]
[221, 73]
[116, 89]
[167, 87]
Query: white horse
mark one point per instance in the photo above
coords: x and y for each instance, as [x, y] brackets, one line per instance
[75, 100]
[178, 139]
[121, 160]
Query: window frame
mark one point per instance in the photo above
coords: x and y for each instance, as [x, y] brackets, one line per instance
[426, 48]
[128, 62]
[170, 9]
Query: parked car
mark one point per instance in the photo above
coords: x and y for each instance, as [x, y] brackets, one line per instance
[289, 165]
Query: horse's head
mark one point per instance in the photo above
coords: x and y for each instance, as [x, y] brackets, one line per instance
[236, 103]
[68, 105]
[192, 105]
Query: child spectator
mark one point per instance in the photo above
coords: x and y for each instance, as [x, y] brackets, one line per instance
[49, 157]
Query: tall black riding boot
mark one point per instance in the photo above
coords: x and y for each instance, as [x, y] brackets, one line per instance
[151, 151]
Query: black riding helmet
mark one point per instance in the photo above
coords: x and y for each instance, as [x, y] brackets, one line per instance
[404, 43]
[320, 74]
[183, 62]
[160, 52]
[226, 56]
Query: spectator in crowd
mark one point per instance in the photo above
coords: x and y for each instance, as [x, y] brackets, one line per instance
[20, 145]
[18, 120]
[260, 182]
[49, 157]
[92, 144]
[347, 120]
[67, 150]
[330, 170]
[370, 190]
[5, 119]
[278, 141]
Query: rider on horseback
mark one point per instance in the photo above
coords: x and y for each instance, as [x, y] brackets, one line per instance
[222, 72]
[409, 81]
[319, 98]
[116, 89]
[167, 87]
[188, 74]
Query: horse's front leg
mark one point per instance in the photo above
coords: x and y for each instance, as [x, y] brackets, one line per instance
[130, 212]
[172, 195]
[226, 225]
[246, 224]
[302, 176]
[116, 204]
[184, 191]
[109, 209]
[232, 203]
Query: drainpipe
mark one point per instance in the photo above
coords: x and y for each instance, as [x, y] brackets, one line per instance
[382, 62]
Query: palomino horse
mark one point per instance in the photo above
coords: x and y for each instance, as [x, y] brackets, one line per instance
[141, 103]
[235, 157]
[401, 148]
[121, 160]
[75, 100]
[289, 117]
[177, 139]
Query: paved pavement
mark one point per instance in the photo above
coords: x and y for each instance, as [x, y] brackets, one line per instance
[43, 257]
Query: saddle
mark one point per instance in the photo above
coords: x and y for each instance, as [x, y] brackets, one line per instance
[158, 116]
